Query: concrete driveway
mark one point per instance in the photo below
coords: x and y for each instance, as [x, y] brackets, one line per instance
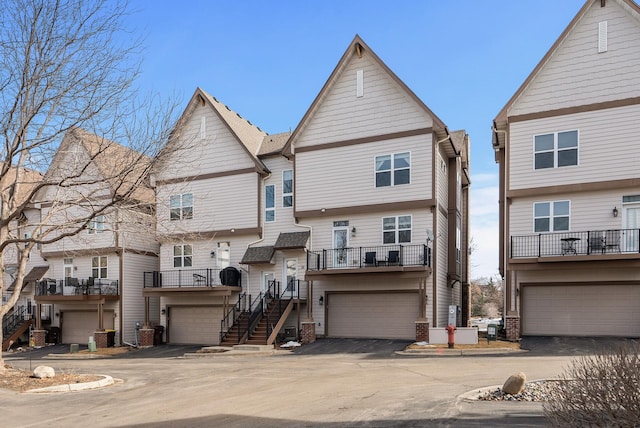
[289, 389]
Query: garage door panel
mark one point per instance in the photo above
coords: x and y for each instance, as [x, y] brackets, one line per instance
[196, 325]
[372, 315]
[77, 326]
[589, 310]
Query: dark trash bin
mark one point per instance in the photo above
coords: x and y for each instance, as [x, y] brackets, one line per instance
[111, 338]
[230, 276]
[157, 335]
[53, 335]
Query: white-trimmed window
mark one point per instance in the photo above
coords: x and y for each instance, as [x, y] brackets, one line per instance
[182, 206]
[99, 267]
[182, 255]
[223, 255]
[396, 230]
[555, 150]
[551, 216]
[287, 188]
[393, 169]
[96, 225]
[270, 203]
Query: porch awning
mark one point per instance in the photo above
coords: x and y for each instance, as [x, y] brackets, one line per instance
[292, 240]
[35, 274]
[256, 255]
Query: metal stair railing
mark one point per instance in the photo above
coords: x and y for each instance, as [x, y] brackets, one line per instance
[232, 316]
[256, 311]
[289, 293]
[11, 322]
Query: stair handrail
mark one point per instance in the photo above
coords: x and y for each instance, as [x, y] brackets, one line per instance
[277, 310]
[256, 310]
[11, 322]
[232, 316]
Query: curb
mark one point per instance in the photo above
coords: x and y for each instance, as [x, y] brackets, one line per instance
[447, 352]
[105, 381]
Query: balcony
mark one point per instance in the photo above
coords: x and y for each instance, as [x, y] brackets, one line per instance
[370, 258]
[193, 278]
[582, 243]
[77, 287]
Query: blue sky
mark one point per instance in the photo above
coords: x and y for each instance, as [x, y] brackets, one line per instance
[267, 60]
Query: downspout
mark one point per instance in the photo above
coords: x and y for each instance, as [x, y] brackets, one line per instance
[120, 276]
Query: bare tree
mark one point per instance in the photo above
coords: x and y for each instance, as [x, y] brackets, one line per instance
[67, 77]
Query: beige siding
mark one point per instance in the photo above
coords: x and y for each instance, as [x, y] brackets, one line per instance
[220, 151]
[133, 266]
[345, 176]
[202, 249]
[577, 74]
[138, 231]
[604, 148]
[82, 267]
[589, 211]
[384, 108]
[220, 203]
[444, 294]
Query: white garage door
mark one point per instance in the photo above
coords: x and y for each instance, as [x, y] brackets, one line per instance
[372, 315]
[590, 310]
[77, 326]
[197, 325]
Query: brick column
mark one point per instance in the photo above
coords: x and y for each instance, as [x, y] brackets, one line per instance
[512, 327]
[422, 331]
[39, 338]
[308, 331]
[146, 337]
[100, 337]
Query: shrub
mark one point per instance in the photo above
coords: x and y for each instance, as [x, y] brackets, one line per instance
[598, 390]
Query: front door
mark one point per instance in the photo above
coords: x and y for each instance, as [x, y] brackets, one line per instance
[631, 224]
[340, 246]
[267, 279]
[291, 276]
[68, 268]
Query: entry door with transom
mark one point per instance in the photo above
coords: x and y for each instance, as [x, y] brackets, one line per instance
[340, 244]
[632, 225]
[267, 279]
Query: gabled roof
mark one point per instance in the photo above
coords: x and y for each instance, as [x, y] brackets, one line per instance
[34, 275]
[357, 46]
[24, 179]
[291, 240]
[501, 119]
[255, 255]
[110, 158]
[247, 134]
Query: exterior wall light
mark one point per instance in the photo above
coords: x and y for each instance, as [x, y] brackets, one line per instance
[615, 211]
[321, 300]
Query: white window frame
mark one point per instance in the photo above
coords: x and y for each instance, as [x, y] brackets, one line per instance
[397, 230]
[96, 225]
[98, 270]
[203, 128]
[182, 208]
[556, 150]
[270, 204]
[552, 216]
[223, 255]
[391, 170]
[182, 257]
[287, 197]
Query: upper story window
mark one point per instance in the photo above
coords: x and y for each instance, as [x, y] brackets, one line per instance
[551, 216]
[96, 225]
[182, 206]
[396, 230]
[270, 203]
[182, 255]
[393, 169]
[287, 188]
[99, 267]
[556, 150]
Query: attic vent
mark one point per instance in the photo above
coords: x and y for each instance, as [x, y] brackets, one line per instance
[359, 83]
[602, 36]
[359, 50]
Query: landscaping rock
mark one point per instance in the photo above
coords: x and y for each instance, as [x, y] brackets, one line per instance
[515, 383]
[42, 372]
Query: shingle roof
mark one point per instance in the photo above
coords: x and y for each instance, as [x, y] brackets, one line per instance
[273, 143]
[34, 275]
[255, 255]
[291, 240]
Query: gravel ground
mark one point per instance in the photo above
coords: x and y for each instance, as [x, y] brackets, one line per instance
[533, 391]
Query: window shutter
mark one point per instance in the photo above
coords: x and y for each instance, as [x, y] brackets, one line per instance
[359, 83]
[602, 36]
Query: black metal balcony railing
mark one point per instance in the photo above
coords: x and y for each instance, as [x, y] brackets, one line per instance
[76, 286]
[591, 242]
[369, 257]
[179, 278]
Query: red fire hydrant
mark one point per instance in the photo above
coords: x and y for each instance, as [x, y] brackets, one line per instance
[451, 330]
